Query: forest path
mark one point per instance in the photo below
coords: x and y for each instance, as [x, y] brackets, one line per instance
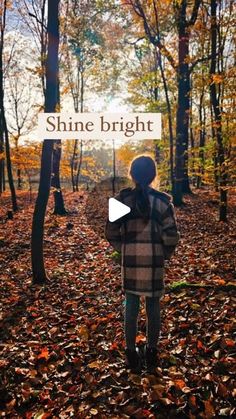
[62, 344]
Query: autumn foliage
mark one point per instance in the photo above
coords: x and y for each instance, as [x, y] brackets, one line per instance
[63, 344]
[62, 337]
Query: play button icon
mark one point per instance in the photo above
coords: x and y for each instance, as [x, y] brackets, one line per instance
[117, 209]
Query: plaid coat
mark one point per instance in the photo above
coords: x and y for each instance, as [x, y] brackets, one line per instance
[144, 245]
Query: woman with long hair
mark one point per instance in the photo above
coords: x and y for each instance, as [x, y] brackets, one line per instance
[145, 238]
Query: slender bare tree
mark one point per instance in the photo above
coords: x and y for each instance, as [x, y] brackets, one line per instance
[51, 99]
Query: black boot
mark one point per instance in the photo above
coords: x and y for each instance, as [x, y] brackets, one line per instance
[151, 358]
[133, 361]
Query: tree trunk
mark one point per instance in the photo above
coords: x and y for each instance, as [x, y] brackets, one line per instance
[3, 176]
[181, 122]
[1, 167]
[182, 117]
[192, 142]
[43, 45]
[19, 181]
[79, 166]
[215, 159]
[215, 100]
[158, 56]
[39, 273]
[59, 207]
[81, 142]
[201, 141]
[73, 164]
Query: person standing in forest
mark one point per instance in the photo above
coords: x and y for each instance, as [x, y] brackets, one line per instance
[145, 237]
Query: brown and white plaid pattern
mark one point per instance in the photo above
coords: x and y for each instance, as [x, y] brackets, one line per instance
[144, 245]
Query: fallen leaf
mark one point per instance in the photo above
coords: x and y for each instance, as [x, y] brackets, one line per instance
[209, 409]
[44, 354]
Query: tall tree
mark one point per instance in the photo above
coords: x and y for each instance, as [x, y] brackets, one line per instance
[34, 15]
[183, 81]
[81, 50]
[20, 110]
[51, 96]
[144, 87]
[215, 94]
[184, 20]
[4, 136]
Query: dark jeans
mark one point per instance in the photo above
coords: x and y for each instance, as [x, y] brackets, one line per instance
[132, 303]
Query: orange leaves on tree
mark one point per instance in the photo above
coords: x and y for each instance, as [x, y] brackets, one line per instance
[217, 78]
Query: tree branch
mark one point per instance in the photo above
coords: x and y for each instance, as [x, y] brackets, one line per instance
[38, 20]
[135, 42]
[194, 12]
[153, 38]
[200, 60]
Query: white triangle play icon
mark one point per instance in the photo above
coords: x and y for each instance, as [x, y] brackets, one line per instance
[117, 209]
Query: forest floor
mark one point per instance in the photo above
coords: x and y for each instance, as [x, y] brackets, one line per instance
[62, 344]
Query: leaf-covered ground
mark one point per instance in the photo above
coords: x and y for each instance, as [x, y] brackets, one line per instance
[62, 345]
